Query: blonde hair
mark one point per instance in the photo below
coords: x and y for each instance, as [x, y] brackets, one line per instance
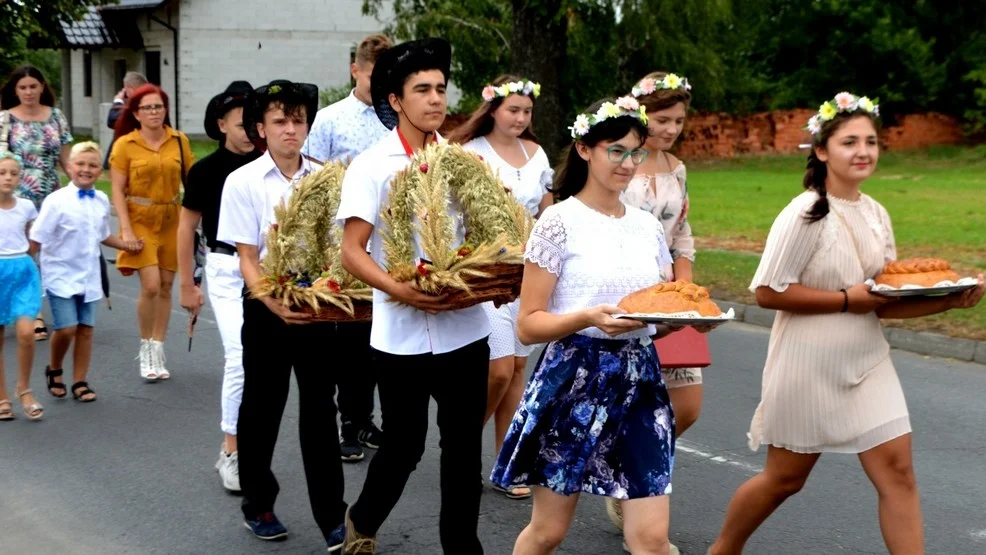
[84, 147]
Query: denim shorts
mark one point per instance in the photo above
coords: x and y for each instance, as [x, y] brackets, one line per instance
[71, 311]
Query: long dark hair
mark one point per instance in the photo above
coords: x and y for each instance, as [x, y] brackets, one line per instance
[8, 97]
[572, 172]
[816, 171]
[480, 123]
[127, 122]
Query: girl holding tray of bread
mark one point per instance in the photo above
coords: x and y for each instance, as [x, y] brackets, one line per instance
[595, 416]
[829, 385]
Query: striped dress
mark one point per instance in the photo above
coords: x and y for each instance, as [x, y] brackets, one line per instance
[829, 384]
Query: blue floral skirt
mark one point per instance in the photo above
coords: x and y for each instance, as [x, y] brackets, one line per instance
[20, 289]
[595, 418]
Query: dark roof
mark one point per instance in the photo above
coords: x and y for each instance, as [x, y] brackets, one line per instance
[133, 4]
[97, 29]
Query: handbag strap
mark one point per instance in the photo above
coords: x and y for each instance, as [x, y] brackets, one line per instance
[181, 155]
[4, 130]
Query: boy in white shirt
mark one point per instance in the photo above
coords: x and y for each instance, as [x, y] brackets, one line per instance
[275, 338]
[73, 222]
[423, 347]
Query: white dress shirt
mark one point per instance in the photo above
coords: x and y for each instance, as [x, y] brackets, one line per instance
[249, 197]
[400, 329]
[70, 230]
[343, 130]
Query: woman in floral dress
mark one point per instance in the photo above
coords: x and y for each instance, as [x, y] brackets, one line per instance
[595, 416]
[32, 128]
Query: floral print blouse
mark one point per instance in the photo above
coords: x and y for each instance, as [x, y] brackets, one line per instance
[39, 144]
[667, 200]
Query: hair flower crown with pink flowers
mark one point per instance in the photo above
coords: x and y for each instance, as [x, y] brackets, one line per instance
[843, 102]
[648, 85]
[526, 88]
[623, 106]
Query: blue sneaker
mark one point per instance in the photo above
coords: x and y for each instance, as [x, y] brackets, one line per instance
[337, 538]
[267, 527]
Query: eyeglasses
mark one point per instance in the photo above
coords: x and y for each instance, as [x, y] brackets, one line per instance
[151, 108]
[618, 154]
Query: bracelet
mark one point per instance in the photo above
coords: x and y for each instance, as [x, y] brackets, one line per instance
[845, 300]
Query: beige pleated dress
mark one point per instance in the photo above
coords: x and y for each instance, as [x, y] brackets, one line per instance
[828, 384]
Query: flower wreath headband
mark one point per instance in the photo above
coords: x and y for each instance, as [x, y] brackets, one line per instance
[526, 88]
[15, 157]
[843, 102]
[649, 86]
[624, 106]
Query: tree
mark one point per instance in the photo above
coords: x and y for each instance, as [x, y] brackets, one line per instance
[37, 22]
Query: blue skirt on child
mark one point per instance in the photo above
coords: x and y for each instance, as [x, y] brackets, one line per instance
[595, 418]
[20, 289]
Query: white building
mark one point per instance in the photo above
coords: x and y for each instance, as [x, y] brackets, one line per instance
[194, 48]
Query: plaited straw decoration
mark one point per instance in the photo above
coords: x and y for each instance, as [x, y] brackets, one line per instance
[497, 226]
[303, 263]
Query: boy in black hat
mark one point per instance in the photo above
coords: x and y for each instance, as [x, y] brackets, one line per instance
[423, 348]
[275, 338]
[203, 193]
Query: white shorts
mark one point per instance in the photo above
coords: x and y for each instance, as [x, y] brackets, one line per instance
[503, 331]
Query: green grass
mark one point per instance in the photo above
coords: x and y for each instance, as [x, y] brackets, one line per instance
[936, 199]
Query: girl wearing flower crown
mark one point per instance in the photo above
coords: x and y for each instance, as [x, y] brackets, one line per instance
[660, 188]
[829, 385]
[20, 285]
[595, 416]
[500, 132]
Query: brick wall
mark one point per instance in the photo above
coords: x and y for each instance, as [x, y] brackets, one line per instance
[709, 135]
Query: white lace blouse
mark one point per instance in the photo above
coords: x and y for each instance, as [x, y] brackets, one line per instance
[528, 183]
[598, 259]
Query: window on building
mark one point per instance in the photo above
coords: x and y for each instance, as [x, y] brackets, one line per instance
[152, 66]
[119, 71]
[87, 74]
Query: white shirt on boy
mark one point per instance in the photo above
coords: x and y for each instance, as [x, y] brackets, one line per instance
[400, 329]
[70, 229]
[249, 196]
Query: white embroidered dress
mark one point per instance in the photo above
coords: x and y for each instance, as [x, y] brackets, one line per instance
[829, 384]
[598, 259]
[528, 185]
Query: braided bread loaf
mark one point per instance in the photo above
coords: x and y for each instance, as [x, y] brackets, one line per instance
[922, 272]
[669, 298]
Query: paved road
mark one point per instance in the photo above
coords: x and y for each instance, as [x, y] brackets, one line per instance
[132, 473]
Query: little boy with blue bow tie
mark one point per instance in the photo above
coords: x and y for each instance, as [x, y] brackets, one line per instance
[71, 225]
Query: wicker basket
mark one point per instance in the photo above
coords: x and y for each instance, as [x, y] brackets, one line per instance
[362, 312]
[502, 287]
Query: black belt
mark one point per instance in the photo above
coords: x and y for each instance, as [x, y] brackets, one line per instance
[224, 249]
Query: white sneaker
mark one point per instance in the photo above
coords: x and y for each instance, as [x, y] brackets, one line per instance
[157, 360]
[146, 368]
[229, 470]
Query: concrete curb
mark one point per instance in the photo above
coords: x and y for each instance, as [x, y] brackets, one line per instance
[920, 342]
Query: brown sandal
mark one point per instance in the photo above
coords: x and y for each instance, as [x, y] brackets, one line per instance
[34, 411]
[6, 410]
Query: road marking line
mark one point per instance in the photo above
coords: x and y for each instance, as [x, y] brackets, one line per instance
[700, 451]
[978, 535]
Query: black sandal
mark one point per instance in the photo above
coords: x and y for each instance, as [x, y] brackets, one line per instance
[52, 384]
[40, 331]
[79, 389]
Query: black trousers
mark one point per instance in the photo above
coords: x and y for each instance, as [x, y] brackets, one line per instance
[457, 381]
[357, 381]
[271, 349]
